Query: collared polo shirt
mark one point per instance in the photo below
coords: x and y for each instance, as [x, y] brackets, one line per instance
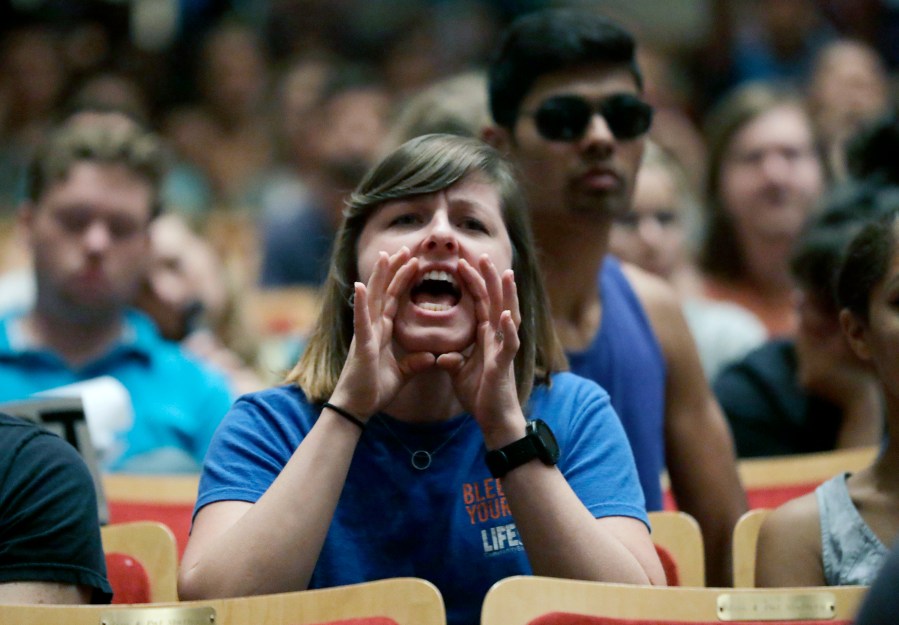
[178, 401]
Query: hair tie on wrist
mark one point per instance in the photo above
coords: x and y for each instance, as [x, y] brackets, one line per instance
[345, 414]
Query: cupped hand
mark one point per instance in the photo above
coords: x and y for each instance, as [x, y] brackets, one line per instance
[372, 374]
[484, 378]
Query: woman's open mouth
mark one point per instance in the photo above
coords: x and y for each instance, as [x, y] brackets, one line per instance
[436, 291]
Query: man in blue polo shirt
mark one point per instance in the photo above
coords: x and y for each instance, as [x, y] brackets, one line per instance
[93, 190]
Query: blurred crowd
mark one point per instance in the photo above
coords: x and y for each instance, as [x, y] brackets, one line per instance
[272, 110]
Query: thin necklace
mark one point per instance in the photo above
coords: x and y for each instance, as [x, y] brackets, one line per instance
[420, 458]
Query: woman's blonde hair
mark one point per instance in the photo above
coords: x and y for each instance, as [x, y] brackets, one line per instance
[424, 165]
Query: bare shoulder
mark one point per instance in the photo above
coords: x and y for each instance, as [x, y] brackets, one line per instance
[789, 545]
[654, 293]
[664, 310]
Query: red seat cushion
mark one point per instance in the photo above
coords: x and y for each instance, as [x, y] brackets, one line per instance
[759, 496]
[567, 618]
[176, 516]
[129, 580]
[669, 565]
[773, 496]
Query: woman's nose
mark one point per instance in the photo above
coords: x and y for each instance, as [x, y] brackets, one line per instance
[441, 236]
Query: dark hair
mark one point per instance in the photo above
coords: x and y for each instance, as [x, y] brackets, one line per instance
[866, 262]
[425, 165]
[549, 41]
[819, 251]
[871, 160]
[871, 152]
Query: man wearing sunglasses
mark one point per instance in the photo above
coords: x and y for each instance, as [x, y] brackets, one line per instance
[565, 96]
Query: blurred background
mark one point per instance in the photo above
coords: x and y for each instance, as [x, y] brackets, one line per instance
[272, 109]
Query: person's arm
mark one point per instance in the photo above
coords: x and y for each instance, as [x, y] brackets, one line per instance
[44, 592]
[563, 539]
[789, 546]
[238, 548]
[560, 535]
[699, 449]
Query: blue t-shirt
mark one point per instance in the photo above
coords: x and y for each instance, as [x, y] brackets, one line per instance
[449, 523]
[626, 359]
[178, 402]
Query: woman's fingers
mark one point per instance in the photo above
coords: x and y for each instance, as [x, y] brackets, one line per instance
[477, 287]
[399, 284]
[451, 362]
[361, 317]
[494, 287]
[385, 270]
[416, 363]
[509, 334]
[510, 296]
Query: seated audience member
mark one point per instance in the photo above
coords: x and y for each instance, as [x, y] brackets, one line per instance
[455, 105]
[765, 177]
[576, 131]
[849, 87]
[226, 134]
[50, 549]
[345, 128]
[839, 534]
[658, 235]
[810, 393]
[189, 296]
[93, 192]
[432, 374]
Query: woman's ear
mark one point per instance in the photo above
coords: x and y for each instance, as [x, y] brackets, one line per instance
[855, 331]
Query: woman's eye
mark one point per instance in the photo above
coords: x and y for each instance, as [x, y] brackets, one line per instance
[405, 220]
[474, 224]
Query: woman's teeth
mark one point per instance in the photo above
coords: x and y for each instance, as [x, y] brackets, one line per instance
[438, 275]
[434, 307]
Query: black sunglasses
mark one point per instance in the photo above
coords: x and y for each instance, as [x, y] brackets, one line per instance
[566, 117]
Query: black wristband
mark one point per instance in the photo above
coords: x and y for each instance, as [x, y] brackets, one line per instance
[345, 414]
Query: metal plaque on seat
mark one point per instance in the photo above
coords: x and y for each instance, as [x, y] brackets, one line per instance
[159, 616]
[776, 606]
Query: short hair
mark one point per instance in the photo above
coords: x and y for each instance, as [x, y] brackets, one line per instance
[866, 263]
[107, 138]
[424, 165]
[721, 254]
[549, 41]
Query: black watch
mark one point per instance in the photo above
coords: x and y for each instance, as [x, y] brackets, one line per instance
[538, 442]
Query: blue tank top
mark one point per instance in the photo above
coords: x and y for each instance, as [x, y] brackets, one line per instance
[625, 358]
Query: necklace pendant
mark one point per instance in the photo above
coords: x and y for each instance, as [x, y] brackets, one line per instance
[421, 459]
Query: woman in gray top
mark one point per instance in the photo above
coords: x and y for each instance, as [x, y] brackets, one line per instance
[838, 535]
